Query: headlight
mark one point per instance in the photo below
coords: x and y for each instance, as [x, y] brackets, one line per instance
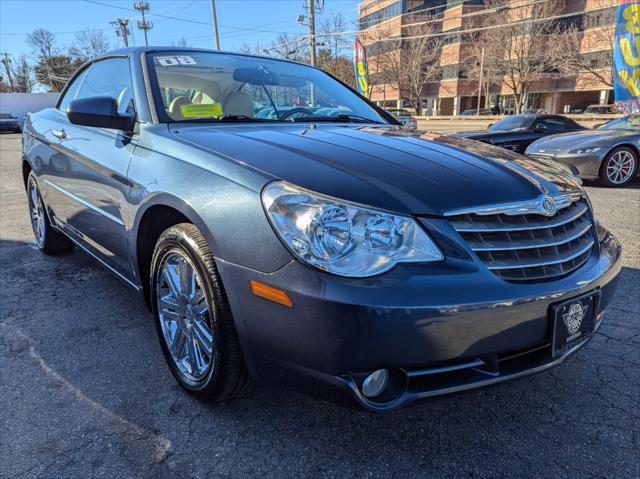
[584, 151]
[343, 238]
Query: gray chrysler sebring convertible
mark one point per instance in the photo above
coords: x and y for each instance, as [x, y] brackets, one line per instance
[284, 230]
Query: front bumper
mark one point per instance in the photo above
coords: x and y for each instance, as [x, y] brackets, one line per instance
[440, 328]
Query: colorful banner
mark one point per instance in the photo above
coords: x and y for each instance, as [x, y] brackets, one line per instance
[626, 57]
[360, 67]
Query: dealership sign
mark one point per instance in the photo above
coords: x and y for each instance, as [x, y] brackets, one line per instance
[626, 57]
[360, 66]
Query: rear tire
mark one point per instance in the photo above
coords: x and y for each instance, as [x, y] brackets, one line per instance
[619, 167]
[193, 318]
[50, 241]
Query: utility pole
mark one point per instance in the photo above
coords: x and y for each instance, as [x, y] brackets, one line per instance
[480, 82]
[7, 66]
[312, 32]
[215, 23]
[122, 29]
[144, 25]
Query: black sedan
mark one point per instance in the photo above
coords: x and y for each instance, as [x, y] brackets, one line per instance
[517, 132]
[8, 122]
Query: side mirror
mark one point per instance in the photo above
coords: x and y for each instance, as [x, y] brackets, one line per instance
[99, 111]
[540, 128]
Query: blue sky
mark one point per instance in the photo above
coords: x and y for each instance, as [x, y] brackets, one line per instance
[240, 21]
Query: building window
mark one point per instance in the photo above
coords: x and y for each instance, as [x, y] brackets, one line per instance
[429, 7]
[381, 15]
[600, 18]
[450, 72]
[598, 60]
[452, 36]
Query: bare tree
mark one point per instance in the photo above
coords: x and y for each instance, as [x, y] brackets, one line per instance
[527, 40]
[256, 49]
[409, 63]
[589, 50]
[23, 75]
[334, 55]
[88, 44]
[290, 48]
[420, 56]
[478, 54]
[43, 43]
[52, 67]
[330, 35]
[384, 61]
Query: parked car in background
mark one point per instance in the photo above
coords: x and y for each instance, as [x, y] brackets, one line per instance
[534, 111]
[8, 122]
[609, 153]
[337, 252]
[483, 112]
[404, 117]
[517, 132]
[600, 110]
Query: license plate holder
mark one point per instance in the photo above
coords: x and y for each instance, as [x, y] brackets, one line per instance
[573, 321]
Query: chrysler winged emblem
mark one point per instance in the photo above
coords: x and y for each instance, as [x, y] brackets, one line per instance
[573, 318]
[549, 206]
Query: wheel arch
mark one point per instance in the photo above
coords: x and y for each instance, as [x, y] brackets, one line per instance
[157, 214]
[629, 145]
[26, 169]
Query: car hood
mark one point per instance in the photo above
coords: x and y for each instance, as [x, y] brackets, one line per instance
[568, 141]
[386, 167]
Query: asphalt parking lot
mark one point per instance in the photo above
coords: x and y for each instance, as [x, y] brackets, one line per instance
[84, 391]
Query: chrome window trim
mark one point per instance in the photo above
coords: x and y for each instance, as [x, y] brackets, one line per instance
[521, 207]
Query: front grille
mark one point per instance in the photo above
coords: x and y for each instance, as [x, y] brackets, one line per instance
[530, 247]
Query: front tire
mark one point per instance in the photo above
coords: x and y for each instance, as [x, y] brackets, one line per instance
[48, 240]
[193, 318]
[619, 167]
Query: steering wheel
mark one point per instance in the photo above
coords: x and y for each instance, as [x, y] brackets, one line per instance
[299, 111]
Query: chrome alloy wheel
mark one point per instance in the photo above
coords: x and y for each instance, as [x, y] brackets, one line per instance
[183, 311]
[37, 212]
[620, 167]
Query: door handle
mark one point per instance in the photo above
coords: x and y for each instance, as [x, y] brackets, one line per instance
[60, 134]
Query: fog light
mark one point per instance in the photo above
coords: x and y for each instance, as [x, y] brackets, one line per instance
[375, 383]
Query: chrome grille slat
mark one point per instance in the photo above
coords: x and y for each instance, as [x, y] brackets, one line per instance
[562, 259]
[472, 226]
[565, 238]
[530, 246]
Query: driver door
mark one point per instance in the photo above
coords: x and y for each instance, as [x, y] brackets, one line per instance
[89, 189]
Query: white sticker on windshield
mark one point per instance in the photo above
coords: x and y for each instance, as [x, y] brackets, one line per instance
[176, 60]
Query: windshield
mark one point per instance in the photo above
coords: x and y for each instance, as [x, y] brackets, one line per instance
[630, 122]
[202, 86]
[513, 123]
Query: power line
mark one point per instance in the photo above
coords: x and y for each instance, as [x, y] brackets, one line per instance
[96, 2]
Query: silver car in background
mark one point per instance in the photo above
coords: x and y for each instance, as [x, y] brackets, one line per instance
[609, 153]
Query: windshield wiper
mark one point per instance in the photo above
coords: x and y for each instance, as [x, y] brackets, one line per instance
[344, 118]
[240, 118]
